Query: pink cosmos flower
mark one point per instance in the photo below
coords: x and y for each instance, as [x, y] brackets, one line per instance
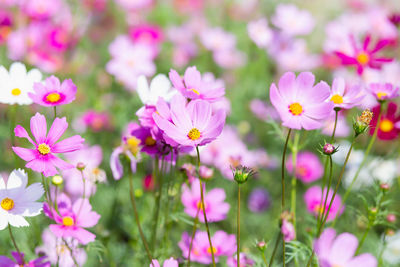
[192, 124]
[57, 252]
[383, 91]
[312, 198]
[293, 21]
[41, 9]
[333, 250]
[259, 32]
[308, 167]
[42, 158]
[364, 56]
[167, 263]
[216, 208]
[71, 219]
[194, 87]
[147, 34]
[19, 260]
[342, 128]
[223, 245]
[96, 121]
[299, 103]
[343, 98]
[52, 93]
[245, 261]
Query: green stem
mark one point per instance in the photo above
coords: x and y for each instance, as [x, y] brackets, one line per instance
[238, 228]
[364, 236]
[264, 258]
[84, 192]
[323, 210]
[55, 112]
[196, 220]
[204, 210]
[72, 252]
[294, 150]
[158, 204]
[367, 151]
[278, 238]
[13, 241]
[133, 202]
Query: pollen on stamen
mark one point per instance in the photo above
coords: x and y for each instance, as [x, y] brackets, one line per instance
[43, 149]
[53, 97]
[7, 204]
[296, 109]
[194, 134]
[16, 92]
[337, 99]
[67, 221]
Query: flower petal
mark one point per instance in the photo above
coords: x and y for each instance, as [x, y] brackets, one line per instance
[39, 128]
[57, 130]
[68, 145]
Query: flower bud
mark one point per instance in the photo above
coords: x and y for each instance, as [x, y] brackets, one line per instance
[384, 187]
[205, 172]
[329, 149]
[288, 231]
[362, 122]
[80, 166]
[57, 180]
[261, 246]
[391, 218]
[241, 174]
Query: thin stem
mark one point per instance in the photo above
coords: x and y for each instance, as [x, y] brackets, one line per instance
[196, 220]
[203, 208]
[84, 192]
[335, 124]
[323, 210]
[133, 201]
[238, 228]
[71, 251]
[278, 238]
[364, 237]
[367, 151]
[264, 258]
[294, 150]
[55, 112]
[158, 201]
[13, 241]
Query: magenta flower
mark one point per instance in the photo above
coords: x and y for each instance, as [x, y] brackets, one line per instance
[20, 261]
[383, 91]
[343, 97]
[308, 167]
[288, 231]
[42, 158]
[245, 261]
[333, 250]
[167, 263]
[71, 219]
[364, 56]
[191, 125]
[313, 197]
[223, 245]
[216, 208]
[299, 103]
[53, 93]
[194, 87]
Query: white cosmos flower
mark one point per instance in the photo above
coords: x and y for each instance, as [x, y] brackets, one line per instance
[160, 86]
[391, 254]
[18, 201]
[17, 83]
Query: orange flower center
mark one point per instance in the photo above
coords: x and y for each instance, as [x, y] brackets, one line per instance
[44, 149]
[7, 204]
[150, 141]
[296, 109]
[386, 125]
[194, 134]
[337, 99]
[68, 221]
[133, 144]
[16, 92]
[381, 94]
[200, 205]
[363, 58]
[53, 97]
[214, 250]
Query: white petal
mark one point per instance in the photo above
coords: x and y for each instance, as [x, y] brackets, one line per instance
[3, 219]
[18, 178]
[33, 192]
[17, 71]
[2, 183]
[17, 220]
[143, 89]
[160, 85]
[32, 209]
[34, 75]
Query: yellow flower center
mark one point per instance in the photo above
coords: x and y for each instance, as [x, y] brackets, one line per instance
[7, 204]
[363, 58]
[337, 99]
[318, 209]
[133, 144]
[150, 141]
[214, 250]
[68, 221]
[200, 205]
[381, 94]
[53, 97]
[194, 134]
[336, 265]
[57, 180]
[195, 91]
[16, 92]
[44, 149]
[96, 171]
[296, 109]
[386, 125]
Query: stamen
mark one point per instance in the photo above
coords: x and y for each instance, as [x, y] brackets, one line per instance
[7, 204]
[68, 221]
[296, 109]
[44, 149]
[53, 97]
[16, 92]
[194, 134]
[337, 99]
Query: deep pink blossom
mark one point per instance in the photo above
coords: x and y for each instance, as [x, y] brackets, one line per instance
[41, 158]
[332, 250]
[299, 103]
[19, 260]
[313, 197]
[72, 219]
[308, 167]
[365, 56]
[53, 93]
[389, 126]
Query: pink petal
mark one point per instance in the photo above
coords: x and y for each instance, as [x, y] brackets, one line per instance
[22, 133]
[25, 153]
[286, 86]
[83, 236]
[192, 78]
[176, 80]
[343, 248]
[309, 123]
[200, 112]
[364, 260]
[57, 130]
[39, 128]
[68, 145]
[59, 163]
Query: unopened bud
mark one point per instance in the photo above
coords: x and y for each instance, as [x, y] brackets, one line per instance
[261, 246]
[391, 218]
[80, 166]
[205, 172]
[241, 174]
[329, 149]
[384, 187]
[57, 180]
